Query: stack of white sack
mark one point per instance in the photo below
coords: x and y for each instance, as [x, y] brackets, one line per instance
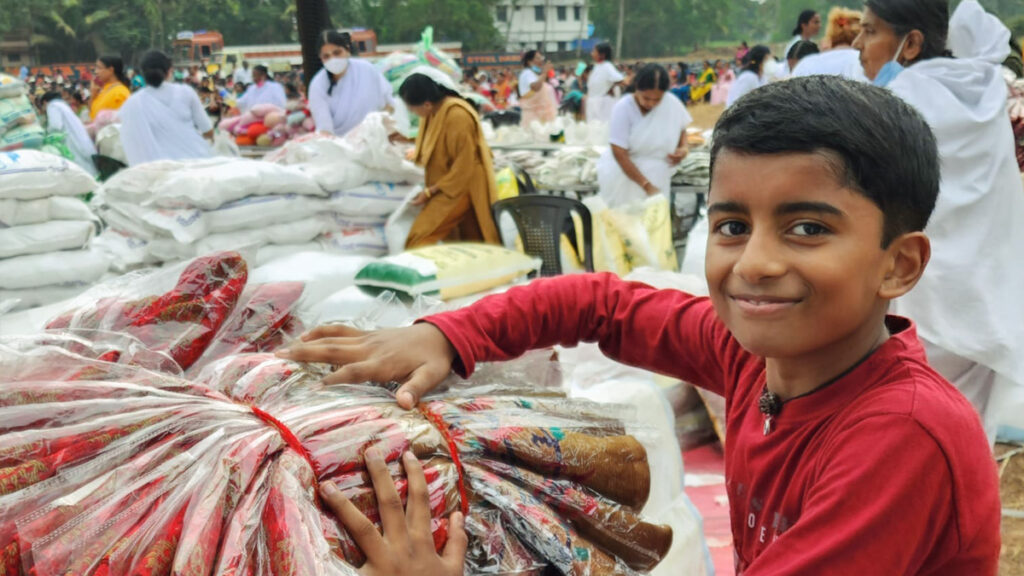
[19, 127]
[45, 230]
[563, 130]
[366, 179]
[168, 211]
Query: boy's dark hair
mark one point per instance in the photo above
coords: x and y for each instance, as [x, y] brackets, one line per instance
[528, 57]
[879, 145]
[605, 50]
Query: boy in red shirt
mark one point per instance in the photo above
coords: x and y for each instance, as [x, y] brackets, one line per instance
[847, 453]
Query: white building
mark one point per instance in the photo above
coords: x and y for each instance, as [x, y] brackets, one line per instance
[545, 25]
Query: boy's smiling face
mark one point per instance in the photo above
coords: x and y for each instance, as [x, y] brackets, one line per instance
[795, 263]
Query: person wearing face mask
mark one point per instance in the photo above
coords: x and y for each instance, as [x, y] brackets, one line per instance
[968, 304]
[164, 120]
[459, 173]
[262, 91]
[751, 76]
[347, 89]
[537, 98]
[648, 139]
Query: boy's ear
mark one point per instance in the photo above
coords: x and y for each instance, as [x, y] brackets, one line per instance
[908, 256]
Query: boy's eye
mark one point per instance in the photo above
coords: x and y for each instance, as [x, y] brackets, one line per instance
[809, 229]
[731, 228]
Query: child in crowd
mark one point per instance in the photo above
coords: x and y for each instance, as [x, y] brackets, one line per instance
[847, 453]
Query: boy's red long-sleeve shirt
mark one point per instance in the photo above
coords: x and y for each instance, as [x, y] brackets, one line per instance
[885, 471]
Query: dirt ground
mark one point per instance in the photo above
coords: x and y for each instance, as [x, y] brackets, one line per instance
[1011, 485]
[705, 115]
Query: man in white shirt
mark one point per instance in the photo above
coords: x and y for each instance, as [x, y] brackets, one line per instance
[243, 75]
[262, 91]
[604, 79]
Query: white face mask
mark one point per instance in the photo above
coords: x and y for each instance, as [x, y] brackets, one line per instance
[336, 65]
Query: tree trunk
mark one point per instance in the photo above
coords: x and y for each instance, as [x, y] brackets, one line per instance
[311, 17]
[622, 24]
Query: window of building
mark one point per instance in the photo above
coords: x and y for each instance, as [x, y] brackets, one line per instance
[14, 57]
[561, 13]
[538, 13]
[577, 13]
[540, 46]
[561, 46]
[502, 14]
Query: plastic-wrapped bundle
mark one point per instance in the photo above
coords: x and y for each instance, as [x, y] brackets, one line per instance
[113, 460]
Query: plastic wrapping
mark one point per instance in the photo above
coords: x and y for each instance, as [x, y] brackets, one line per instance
[156, 435]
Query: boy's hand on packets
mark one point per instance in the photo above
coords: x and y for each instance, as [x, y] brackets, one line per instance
[407, 546]
[418, 357]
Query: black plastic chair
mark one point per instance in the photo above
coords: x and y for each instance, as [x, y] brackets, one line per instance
[107, 166]
[541, 221]
[500, 118]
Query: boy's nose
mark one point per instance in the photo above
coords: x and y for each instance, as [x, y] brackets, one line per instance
[759, 261]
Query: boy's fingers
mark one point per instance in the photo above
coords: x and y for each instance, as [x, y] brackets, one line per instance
[358, 373]
[392, 515]
[336, 351]
[358, 526]
[454, 554]
[418, 385]
[331, 331]
[417, 505]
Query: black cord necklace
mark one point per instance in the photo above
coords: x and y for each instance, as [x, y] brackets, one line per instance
[770, 404]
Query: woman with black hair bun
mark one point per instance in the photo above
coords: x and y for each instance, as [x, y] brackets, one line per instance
[648, 139]
[751, 75]
[346, 89]
[459, 173]
[164, 120]
[808, 25]
[967, 305]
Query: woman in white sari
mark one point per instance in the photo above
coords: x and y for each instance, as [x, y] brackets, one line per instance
[967, 306]
[164, 121]
[648, 140]
[61, 119]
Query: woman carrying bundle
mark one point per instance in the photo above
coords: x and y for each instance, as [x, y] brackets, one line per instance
[61, 119]
[460, 176]
[164, 120]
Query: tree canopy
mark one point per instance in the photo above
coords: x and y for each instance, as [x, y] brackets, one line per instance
[78, 30]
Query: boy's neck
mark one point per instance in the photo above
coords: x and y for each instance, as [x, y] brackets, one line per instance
[795, 376]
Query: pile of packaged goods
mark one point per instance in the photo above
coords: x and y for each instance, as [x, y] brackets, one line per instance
[268, 125]
[317, 193]
[397, 66]
[150, 432]
[367, 179]
[19, 127]
[169, 211]
[45, 230]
